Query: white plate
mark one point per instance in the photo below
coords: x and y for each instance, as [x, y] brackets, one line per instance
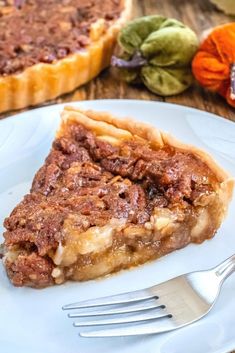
[31, 321]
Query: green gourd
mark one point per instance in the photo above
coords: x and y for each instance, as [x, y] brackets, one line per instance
[158, 52]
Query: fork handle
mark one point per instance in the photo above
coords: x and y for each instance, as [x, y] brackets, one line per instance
[226, 268]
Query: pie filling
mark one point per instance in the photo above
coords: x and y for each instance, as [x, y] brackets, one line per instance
[43, 31]
[96, 207]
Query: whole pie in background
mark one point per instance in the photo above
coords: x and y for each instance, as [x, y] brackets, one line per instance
[50, 47]
[112, 193]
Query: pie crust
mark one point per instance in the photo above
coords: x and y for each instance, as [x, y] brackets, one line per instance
[42, 82]
[119, 241]
[116, 130]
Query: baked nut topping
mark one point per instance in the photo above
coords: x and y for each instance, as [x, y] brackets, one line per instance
[50, 47]
[39, 31]
[111, 194]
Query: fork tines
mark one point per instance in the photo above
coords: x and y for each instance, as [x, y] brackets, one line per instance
[140, 306]
[130, 297]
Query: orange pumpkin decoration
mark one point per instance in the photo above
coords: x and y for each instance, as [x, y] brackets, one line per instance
[214, 64]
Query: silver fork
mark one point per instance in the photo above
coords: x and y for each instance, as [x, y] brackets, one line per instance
[167, 306]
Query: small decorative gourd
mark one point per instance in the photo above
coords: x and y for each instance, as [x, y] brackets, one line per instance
[158, 52]
[214, 64]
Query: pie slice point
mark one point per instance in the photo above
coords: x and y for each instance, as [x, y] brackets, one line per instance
[113, 193]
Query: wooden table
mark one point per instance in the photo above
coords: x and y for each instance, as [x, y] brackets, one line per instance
[199, 15]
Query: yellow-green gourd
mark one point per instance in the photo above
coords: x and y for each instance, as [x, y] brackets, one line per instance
[158, 52]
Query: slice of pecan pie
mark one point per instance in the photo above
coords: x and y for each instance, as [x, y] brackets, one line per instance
[111, 194]
[48, 48]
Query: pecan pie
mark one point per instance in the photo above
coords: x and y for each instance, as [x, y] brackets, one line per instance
[50, 47]
[112, 193]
